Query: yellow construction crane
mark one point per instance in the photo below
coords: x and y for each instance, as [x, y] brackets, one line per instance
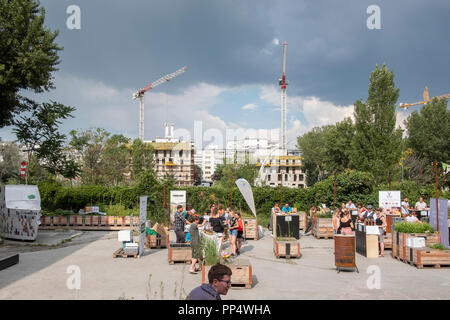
[426, 99]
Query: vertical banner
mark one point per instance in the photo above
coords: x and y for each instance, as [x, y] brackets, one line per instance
[176, 197]
[142, 220]
[443, 219]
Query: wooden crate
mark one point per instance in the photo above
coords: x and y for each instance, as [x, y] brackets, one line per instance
[119, 221]
[72, 219]
[46, 221]
[302, 220]
[399, 242]
[127, 220]
[241, 274]
[180, 252]
[110, 221]
[103, 220]
[286, 247]
[251, 229]
[88, 220]
[322, 228]
[427, 257]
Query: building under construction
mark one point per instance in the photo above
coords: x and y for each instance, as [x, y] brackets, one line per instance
[174, 158]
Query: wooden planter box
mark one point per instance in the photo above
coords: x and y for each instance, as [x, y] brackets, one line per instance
[161, 240]
[344, 252]
[110, 221]
[251, 229]
[286, 247]
[322, 228]
[427, 257]
[88, 220]
[302, 220]
[46, 221]
[241, 276]
[180, 252]
[387, 239]
[399, 242]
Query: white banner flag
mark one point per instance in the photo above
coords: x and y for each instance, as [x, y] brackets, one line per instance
[247, 193]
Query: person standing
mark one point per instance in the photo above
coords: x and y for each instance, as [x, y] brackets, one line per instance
[233, 232]
[219, 278]
[217, 223]
[312, 212]
[380, 221]
[195, 245]
[240, 233]
[179, 223]
[361, 211]
[350, 205]
[345, 223]
[421, 205]
[275, 210]
[405, 207]
[369, 214]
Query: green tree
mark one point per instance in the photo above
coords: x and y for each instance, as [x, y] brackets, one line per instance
[198, 174]
[39, 135]
[89, 146]
[312, 146]
[377, 144]
[28, 55]
[338, 145]
[429, 131]
[142, 157]
[116, 159]
[10, 159]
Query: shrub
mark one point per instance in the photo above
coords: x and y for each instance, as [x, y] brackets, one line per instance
[437, 246]
[416, 227]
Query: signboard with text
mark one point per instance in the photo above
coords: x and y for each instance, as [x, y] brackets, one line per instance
[177, 197]
[142, 220]
[389, 199]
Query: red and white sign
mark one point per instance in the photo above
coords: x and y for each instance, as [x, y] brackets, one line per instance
[23, 168]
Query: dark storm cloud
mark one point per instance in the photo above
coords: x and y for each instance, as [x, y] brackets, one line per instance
[330, 53]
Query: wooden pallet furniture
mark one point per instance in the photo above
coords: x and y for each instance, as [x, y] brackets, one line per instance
[399, 242]
[160, 240]
[120, 253]
[86, 222]
[428, 257]
[322, 228]
[251, 229]
[241, 274]
[180, 252]
[286, 247]
[366, 243]
[302, 223]
[286, 225]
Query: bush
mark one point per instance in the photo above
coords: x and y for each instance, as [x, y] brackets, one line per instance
[416, 227]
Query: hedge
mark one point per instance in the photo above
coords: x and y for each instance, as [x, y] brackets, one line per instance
[354, 185]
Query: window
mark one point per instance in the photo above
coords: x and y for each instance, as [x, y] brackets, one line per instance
[279, 177]
[268, 177]
[181, 153]
[295, 177]
[285, 177]
[300, 177]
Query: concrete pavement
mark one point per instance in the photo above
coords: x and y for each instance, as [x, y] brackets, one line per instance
[44, 274]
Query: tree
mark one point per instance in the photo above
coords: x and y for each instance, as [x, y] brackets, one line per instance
[312, 146]
[198, 175]
[39, 135]
[10, 159]
[142, 157]
[116, 158]
[338, 145]
[28, 55]
[429, 131]
[377, 144]
[89, 145]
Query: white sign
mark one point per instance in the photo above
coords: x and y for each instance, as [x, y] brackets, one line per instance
[178, 196]
[142, 219]
[389, 199]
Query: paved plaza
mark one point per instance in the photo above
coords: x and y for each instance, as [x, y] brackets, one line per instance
[42, 272]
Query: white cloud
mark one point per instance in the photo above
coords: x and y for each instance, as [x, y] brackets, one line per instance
[250, 107]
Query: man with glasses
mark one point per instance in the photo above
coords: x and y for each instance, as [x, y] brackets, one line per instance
[219, 277]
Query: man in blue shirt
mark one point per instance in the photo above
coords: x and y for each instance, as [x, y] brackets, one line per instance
[287, 208]
[219, 277]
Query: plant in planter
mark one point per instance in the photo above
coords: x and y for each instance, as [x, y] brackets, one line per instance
[437, 246]
[407, 227]
[210, 255]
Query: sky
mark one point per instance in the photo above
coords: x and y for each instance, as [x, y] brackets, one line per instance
[233, 53]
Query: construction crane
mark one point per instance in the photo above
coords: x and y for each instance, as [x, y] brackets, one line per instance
[283, 84]
[426, 99]
[140, 94]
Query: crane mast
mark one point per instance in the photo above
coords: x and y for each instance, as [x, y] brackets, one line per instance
[140, 94]
[283, 84]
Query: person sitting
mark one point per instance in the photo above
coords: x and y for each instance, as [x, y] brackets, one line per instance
[345, 223]
[219, 278]
[287, 209]
[412, 218]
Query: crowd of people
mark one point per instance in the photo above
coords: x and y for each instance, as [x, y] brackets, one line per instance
[188, 225]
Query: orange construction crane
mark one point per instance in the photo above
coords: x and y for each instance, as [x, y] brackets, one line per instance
[426, 99]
